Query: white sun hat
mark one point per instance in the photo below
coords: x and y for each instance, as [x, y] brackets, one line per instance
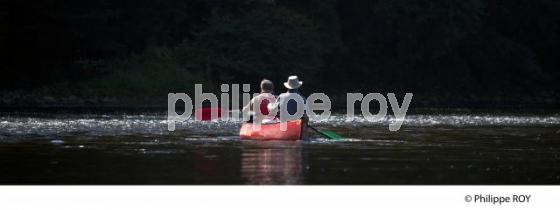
[293, 83]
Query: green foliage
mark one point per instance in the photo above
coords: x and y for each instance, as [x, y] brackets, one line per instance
[154, 73]
[441, 50]
[268, 42]
[446, 48]
[406, 42]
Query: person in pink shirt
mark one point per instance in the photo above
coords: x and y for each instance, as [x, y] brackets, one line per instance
[257, 107]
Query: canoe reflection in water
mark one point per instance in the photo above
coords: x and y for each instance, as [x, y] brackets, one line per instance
[272, 162]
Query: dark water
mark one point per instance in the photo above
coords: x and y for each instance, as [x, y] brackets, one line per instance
[456, 147]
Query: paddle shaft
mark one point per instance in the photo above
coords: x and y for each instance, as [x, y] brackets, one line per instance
[318, 131]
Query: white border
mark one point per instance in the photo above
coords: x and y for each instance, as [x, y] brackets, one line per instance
[269, 197]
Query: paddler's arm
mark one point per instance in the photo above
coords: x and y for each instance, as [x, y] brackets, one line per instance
[273, 107]
[247, 108]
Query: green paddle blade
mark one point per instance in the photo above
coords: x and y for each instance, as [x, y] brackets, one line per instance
[331, 135]
[328, 134]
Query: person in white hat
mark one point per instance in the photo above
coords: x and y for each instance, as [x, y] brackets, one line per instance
[293, 85]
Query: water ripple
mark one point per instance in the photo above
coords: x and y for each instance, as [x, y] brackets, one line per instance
[156, 124]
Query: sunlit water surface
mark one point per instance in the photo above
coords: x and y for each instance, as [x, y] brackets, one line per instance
[136, 148]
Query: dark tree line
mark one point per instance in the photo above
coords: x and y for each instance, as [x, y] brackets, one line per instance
[446, 52]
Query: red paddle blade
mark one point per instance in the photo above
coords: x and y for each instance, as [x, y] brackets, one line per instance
[205, 114]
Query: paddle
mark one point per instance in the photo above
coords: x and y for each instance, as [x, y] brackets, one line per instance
[205, 113]
[327, 133]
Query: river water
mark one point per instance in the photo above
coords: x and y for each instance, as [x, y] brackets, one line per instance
[132, 147]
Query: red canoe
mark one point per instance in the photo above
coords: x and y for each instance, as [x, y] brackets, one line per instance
[272, 131]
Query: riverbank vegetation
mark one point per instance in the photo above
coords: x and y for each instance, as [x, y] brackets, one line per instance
[447, 52]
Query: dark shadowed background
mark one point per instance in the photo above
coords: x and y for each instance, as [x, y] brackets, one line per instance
[449, 53]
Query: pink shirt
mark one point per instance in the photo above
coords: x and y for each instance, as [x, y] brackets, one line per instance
[262, 100]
